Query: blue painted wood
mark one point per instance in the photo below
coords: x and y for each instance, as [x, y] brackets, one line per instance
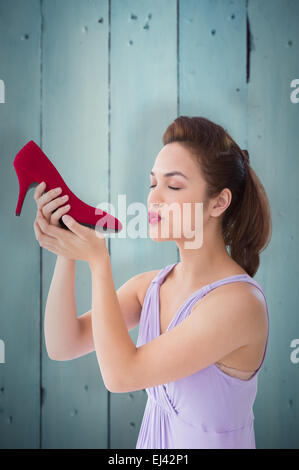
[212, 63]
[74, 131]
[273, 144]
[96, 86]
[19, 286]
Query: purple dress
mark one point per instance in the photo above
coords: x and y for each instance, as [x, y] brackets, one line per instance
[206, 410]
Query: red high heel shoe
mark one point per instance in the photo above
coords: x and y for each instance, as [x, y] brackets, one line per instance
[33, 166]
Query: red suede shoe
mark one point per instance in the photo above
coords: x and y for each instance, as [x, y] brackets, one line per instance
[33, 166]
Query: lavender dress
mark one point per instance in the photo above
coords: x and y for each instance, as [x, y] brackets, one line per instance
[206, 410]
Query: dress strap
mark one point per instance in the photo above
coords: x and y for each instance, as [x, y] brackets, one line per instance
[235, 278]
[162, 274]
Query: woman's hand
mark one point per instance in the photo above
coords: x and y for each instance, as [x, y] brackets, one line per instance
[77, 243]
[48, 202]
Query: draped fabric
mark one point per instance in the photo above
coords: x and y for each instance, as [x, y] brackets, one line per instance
[206, 410]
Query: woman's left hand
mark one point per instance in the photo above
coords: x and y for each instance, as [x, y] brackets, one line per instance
[77, 243]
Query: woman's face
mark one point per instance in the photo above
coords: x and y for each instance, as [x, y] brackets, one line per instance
[181, 217]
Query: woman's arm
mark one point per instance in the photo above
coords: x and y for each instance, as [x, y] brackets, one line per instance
[69, 336]
[211, 331]
[114, 347]
[61, 323]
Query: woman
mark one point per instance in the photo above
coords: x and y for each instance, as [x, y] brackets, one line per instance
[203, 322]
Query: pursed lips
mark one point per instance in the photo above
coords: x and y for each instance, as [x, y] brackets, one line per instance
[154, 216]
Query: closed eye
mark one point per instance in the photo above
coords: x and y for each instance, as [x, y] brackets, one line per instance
[168, 186]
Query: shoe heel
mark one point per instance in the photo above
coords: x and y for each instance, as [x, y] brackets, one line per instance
[25, 183]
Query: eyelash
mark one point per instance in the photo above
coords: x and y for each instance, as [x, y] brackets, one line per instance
[168, 186]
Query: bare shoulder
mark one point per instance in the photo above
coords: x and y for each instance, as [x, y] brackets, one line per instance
[245, 291]
[242, 300]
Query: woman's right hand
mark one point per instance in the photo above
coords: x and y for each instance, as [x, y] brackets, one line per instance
[48, 202]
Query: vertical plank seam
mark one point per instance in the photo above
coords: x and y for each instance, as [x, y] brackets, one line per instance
[178, 70]
[41, 395]
[109, 150]
[178, 53]
[248, 54]
[248, 44]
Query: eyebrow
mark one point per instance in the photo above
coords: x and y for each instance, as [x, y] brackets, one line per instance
[172, 173]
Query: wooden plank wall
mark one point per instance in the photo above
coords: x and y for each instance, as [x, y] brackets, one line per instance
[273, 123]
[96, 86]
[20, 408]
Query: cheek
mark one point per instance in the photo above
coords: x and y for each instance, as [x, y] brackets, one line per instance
[188, 217]
[196, 218]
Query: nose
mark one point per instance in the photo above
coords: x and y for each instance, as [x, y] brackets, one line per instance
[153, 202]
[155, 205]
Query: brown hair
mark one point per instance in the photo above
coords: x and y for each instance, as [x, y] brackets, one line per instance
[246, 224]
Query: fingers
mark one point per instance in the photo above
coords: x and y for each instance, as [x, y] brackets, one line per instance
[54, 219]
[43, 240]
[48, 202]
[37, 230]
[46, 228]
[39, 190]
[47, 197]
[39, 235]
[75, 227]
[49, 208]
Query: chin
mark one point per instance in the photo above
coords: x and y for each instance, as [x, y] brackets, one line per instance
[160, 232]
[156, 235]
[160, 239]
